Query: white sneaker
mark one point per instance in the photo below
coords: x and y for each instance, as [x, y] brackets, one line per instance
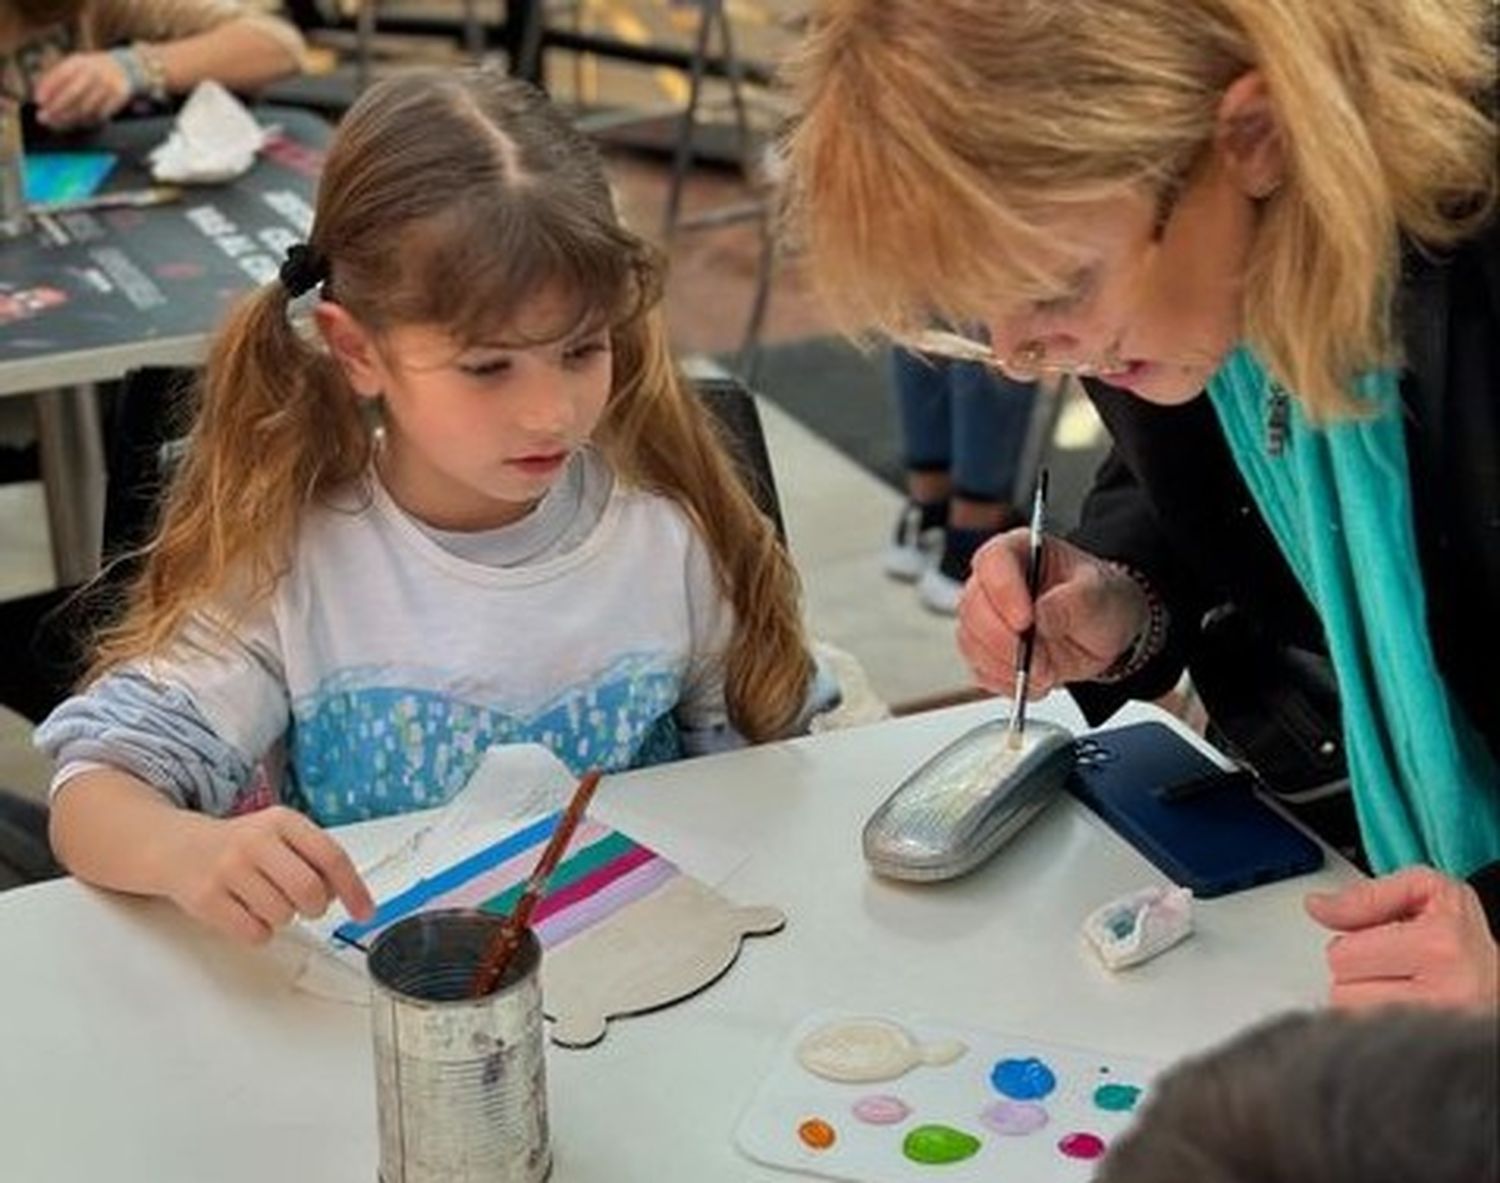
[913, 550]
[938, 592]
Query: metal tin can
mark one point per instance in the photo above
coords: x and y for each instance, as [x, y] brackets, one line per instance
[461, 1092]
[13, 219]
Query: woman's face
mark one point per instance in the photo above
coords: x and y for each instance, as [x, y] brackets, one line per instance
[1154, 303]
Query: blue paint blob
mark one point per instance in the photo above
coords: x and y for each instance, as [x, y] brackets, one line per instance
[1023, 1080]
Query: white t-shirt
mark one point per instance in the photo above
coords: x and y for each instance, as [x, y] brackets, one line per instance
[383, 664]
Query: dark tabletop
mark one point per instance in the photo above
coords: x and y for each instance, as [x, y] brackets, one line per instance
[96, 290]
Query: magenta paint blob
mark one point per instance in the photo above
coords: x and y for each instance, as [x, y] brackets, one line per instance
[881, 1109]
[1014, 1118]
[1082, 1146]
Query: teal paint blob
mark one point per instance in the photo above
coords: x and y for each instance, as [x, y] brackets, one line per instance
[936, 1145]
[1023, 1080]
[1117, 1098]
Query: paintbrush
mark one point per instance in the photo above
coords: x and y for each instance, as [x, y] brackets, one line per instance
[115, 199]
[1028, 636]
[508, 939]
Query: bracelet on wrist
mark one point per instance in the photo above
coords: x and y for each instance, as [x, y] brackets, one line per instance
[153, 72]
[131, 66]
[1151, 638]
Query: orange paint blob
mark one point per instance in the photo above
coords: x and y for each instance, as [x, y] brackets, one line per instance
[816, 1133]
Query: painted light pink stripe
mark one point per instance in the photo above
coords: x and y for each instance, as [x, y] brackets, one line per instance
[604, 903]
[496, 880]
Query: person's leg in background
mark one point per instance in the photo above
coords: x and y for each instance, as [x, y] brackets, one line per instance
[990, 416]
[923, 403]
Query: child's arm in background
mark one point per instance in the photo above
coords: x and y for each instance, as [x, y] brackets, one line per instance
[185, 42]
[245, 876]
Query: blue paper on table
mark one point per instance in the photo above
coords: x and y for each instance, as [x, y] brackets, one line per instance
[66, 176]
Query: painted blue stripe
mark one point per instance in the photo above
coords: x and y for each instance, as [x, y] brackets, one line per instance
[424, 890]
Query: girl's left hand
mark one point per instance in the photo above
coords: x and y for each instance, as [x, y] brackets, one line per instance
[82, 89]
[1413, 937]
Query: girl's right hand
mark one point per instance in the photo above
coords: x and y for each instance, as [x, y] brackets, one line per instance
[1088, 613]
[249, 876]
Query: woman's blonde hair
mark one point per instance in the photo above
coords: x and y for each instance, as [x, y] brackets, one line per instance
[453, 199]
[934, 132]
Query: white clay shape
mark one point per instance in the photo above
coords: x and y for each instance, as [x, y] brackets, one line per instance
[1138, 926]
[862, 1051]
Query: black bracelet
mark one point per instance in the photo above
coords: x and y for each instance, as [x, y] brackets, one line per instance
[1149, 641]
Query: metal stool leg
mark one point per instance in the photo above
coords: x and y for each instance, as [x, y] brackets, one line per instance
[71, 446]
[364, 52]
[682, 158]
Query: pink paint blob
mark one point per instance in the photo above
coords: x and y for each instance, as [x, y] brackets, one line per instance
[1014, 1118]
[1082, 1146]
[881, 1109]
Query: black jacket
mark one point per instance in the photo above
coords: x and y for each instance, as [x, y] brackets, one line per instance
[1169, 500]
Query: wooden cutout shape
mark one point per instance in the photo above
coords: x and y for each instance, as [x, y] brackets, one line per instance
[657, 951]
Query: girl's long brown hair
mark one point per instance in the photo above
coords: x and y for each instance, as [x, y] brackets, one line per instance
[452, 199]
[935, 132]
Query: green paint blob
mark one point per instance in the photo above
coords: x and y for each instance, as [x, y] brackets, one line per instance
[934, 1145]
[1117, 1098]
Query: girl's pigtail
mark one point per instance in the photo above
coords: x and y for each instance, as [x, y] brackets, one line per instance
[274, 427]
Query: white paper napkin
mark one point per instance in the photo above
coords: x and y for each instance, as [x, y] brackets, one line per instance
[215, 139]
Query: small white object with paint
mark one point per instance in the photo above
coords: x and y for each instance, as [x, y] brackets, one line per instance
[1136, 927]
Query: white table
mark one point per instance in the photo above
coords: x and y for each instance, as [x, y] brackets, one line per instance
[134, 1047]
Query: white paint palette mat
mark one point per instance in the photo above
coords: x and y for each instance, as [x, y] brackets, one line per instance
[880, 1100]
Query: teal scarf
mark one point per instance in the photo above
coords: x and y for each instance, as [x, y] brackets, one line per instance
[1338, 500]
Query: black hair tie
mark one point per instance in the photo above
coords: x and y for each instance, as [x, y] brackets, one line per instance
[302, 270]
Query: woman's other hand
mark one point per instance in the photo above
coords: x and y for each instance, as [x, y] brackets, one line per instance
[1416, 936]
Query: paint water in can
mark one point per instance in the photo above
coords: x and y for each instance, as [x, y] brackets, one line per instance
[13, 219]
[460, 1081]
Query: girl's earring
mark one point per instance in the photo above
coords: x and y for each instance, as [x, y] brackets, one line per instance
[372, 410]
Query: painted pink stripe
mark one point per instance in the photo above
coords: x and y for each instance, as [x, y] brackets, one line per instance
[605, 903]
[596, 880]
[496, 880]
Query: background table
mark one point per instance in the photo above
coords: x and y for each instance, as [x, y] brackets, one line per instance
[139, 1048]
[123, 289]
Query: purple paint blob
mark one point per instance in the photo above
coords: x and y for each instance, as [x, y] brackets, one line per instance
[881, 1109]
[1082, 1146]
[1023, 1080]
[1014, 1118]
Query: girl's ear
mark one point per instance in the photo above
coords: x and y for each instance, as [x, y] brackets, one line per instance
[1248, 138]
[353, 348]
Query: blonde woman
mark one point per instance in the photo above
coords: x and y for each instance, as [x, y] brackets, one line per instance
[1266, 229]
[81, 61]
[479, 507]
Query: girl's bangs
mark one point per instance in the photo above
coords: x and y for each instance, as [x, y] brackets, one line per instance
[482, 275]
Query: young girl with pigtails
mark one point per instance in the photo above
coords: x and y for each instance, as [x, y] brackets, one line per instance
[473, 503]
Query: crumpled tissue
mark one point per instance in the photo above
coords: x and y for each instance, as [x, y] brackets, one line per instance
[215, 139]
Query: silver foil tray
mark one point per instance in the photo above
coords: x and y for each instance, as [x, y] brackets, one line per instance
[962, 805]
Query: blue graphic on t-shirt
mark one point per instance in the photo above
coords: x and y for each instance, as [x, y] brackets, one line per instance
[360, 748]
